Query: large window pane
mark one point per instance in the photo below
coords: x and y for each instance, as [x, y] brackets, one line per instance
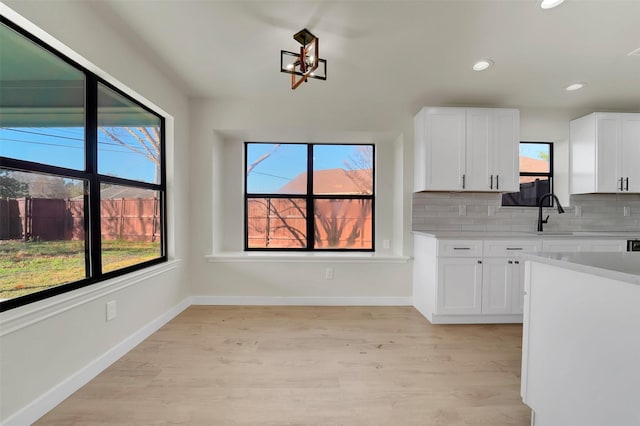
[41, 104]
[42, 234]
[128, 138]
[277, 223]
[276, 168]
[130, 226]
[341, 223]
[343, 169]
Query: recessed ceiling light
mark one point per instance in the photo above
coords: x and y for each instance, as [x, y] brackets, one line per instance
[482, 65]
[549, 4]
[575, 86]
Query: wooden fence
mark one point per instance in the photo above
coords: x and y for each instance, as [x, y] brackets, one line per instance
[48, 219]
[281, 223]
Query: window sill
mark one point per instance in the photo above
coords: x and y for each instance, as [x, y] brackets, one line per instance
[333, 257]
[23, 316]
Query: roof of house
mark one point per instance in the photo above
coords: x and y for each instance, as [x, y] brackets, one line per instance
[528, 164]
[332, 181]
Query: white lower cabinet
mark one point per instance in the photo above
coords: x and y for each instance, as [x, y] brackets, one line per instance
[497, 286]
[469, 281]
[459, 286]
[482, 281]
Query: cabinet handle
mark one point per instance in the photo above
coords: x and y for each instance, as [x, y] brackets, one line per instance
[511, 262]
[514, 248]
[497, 181]
[621, 184]
[462, 248]
[480, 261]
[626, 184]
[517, 262]
[491, 184]
[464, 178]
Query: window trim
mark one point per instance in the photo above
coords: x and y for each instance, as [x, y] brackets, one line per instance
[309, 197]
[549, 174]
[93, 237]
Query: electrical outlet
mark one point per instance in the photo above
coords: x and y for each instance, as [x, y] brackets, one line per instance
[627, 211]
[328, 274]
[111, 310]
[578, 211]
[462, 210]
[385, 244]
[491, 210]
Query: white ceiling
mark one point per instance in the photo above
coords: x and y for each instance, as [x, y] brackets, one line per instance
[402, 52]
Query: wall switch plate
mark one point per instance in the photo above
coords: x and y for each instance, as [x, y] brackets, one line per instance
[462, 210]
[385, 244]
[111, 310]
[328, 274]
[578, 211]
[627, 211]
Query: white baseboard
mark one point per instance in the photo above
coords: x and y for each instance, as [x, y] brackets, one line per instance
[46, 402]
[302, 301]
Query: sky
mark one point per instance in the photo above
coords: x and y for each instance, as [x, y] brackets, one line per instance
[533, 150]
[290, 160]
[64, 147]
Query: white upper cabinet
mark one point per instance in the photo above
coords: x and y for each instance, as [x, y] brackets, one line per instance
[605, 153]
[466, 149]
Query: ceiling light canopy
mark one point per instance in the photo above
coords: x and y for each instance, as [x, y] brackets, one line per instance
[575, 86]
[303, 64]
[482, 64]
[549, 4]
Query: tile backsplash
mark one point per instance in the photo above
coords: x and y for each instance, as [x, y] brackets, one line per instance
[445, 211]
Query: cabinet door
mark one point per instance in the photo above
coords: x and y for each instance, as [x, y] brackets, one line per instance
[505, 150]
[479, 135]
[497, 285]
[630, 147]
[443, 149]
[608, 172]
[517, 287]
[459, 286]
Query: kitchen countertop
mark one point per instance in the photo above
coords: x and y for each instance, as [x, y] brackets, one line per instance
[623, 266]
[471, 235]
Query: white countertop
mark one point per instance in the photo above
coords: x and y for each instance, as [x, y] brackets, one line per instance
[623, 266]
[481, 235]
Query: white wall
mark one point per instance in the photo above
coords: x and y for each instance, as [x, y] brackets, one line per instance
[219, 129]
[45, 343]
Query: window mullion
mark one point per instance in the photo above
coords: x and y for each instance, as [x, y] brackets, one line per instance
[92, 207]
[311, 238]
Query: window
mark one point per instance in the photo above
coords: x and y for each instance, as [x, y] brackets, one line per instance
[82, 175]
[309, 197]
[536, 175]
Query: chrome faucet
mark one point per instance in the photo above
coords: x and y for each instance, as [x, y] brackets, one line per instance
[540, 203]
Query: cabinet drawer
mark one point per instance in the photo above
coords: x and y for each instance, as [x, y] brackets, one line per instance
[502, 248]
[460, 248]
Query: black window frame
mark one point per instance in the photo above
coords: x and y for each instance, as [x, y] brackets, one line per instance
[309, 198]
[549, 174]
[92, 221]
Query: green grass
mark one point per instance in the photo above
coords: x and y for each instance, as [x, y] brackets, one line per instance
[28, 267]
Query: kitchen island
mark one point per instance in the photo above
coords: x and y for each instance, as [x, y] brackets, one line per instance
[581, 338]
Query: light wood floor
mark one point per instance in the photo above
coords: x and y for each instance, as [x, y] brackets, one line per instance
[217, 365]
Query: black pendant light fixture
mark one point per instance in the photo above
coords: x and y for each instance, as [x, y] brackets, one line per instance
[305, 64]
